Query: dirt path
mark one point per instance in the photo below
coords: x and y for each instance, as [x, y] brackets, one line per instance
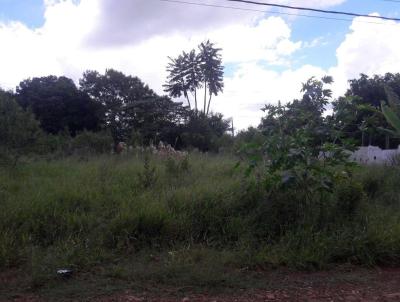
[380, 285]
[358, 285]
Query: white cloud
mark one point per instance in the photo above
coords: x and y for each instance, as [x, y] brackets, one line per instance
[123, 21]
[368, 48]
[60, 46]
[253, 86]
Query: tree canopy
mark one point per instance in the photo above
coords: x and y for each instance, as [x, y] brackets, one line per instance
[192, 71]
[58, 104]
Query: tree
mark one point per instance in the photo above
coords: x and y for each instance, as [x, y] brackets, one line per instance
[366, 94]
[203, 132]
[118, 94]
[212, 71]
[19, 131]
[132, 108]
[159, 119]
[190, 72]
[58, 105]
[391, 112]
[178, 80]
[305, 113]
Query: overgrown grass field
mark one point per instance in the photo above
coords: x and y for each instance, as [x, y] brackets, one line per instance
[192, 222]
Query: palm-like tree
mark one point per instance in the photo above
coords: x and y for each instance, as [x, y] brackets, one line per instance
[212, 71]
[177, 85]
[191, 71]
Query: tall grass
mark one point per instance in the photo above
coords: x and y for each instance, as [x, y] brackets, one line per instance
[82, 213]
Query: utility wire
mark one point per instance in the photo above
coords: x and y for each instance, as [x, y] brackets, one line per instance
[313, 9]
[268, 12]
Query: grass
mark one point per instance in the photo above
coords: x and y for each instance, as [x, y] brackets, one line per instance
[198, 224]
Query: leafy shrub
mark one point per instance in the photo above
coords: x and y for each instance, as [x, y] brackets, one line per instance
[19, 131]
[349, 195]
[148, 177]
[88, 142]
[177, 166]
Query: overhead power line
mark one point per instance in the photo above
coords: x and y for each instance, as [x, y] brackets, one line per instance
[313, 9]
[268, 12]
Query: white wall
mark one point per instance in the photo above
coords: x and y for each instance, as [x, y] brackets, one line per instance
[374, 155]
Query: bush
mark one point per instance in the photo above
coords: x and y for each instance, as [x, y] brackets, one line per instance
[349, 195]
[177, 166]
[148, 176]
[88, 143]
[19, 131]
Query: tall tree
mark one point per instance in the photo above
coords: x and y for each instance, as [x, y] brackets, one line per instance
[130, 105]
[116, 92]
[192, 71]
[212, 71]
[58, 104]
[365, 96]
[177, 84]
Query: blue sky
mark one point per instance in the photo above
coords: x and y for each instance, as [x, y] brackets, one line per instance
[334, 31]
[265, 61]
[29, 12]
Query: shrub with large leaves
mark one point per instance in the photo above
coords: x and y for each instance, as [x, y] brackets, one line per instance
[392, 112]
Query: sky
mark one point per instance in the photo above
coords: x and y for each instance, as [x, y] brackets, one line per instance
[267, 53]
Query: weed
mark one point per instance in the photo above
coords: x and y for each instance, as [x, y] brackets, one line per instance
[148, 177]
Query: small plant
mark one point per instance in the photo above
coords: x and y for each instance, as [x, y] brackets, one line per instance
[148, 177]
[349, 197]
[176, 167]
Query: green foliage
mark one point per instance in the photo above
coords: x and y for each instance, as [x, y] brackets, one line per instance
[177, 166]
[91, 143]
[300, 150]
[392, 112]
[19, 131]
[349, 196]
[132, 108]
[192, 71]
[147, 177]
[361, 105]
[118, 94]
[58, 105]
[204, 132]
[79, 214]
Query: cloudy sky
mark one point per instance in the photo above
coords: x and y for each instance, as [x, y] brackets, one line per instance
[267, 54]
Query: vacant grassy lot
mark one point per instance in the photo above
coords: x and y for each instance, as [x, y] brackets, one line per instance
[197, 222]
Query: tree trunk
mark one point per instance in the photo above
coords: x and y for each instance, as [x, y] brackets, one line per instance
[209, 102]
[190, 106]
[205, 96]
[195, 99]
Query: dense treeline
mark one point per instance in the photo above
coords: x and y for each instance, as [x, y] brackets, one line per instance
[113, 107]
[117, 105]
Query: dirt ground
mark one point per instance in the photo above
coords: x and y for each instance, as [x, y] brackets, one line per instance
[353, 285]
